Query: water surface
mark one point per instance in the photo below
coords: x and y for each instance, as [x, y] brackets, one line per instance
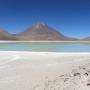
[46, 47]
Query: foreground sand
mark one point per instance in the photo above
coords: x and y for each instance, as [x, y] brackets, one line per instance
[44, 71]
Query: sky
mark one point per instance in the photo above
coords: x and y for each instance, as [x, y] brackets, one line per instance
[70, 17]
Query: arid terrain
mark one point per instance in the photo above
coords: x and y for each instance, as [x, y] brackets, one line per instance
[44, 71]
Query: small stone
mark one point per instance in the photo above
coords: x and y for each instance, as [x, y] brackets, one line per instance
[88, 84]
[76, 74]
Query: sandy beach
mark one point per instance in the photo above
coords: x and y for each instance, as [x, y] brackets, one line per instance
[44, 71]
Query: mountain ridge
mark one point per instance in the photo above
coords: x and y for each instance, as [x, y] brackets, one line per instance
[38, 32]
[4, 35]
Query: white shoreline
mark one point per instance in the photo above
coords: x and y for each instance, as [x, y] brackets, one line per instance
[45, 41]
[29, 52]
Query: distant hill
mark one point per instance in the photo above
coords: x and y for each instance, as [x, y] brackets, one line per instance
[86, 39]
[4, 35]
[42, 32]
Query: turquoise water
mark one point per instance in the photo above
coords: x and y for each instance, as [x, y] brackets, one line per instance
[46, 47]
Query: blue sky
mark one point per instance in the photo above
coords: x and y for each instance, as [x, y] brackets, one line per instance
[71, 17]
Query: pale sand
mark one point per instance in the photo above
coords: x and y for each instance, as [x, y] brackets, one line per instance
[44, 71]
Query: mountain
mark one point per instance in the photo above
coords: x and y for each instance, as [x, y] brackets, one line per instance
[86, 39]
[4, 35]
[42, 32]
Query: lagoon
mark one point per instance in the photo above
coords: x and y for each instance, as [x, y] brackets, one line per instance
[45, 46]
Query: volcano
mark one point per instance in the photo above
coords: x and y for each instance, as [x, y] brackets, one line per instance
[42, 32]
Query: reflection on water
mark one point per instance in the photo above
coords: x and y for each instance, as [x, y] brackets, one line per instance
[46, 46]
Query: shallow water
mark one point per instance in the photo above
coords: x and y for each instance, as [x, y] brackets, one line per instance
[46, 47]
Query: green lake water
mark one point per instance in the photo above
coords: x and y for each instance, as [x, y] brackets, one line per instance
[45, 47]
